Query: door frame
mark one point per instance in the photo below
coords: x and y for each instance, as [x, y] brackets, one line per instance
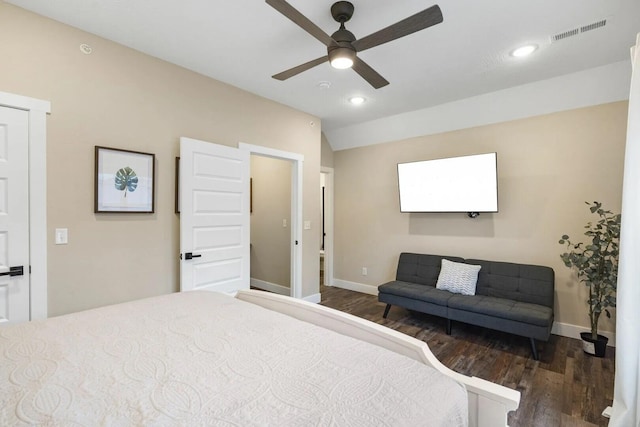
[328, 225]
[38, 110]
[297, 161]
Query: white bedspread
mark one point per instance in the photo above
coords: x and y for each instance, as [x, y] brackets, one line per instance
[207, 359]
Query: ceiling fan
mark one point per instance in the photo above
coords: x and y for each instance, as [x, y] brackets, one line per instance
[342, 46]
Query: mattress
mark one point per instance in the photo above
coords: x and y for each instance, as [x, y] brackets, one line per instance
[204, 358]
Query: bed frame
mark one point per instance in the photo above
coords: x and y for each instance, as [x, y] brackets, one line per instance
[489, 403]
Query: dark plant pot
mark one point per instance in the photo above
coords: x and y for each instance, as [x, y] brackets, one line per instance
[597, 347]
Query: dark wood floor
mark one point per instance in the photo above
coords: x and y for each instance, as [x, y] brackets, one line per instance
[564, 388]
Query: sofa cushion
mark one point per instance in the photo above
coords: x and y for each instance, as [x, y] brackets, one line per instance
[520, 282]
[415, 291]
[503, 308]
[457, 277]
[421, 268]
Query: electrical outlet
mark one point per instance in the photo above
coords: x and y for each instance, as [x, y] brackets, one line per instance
[364, 271]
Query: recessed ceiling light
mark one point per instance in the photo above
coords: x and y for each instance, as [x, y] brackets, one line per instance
[356, 100]
[524, 50]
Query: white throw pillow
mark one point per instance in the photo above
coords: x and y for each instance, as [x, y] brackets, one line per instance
[458, 278]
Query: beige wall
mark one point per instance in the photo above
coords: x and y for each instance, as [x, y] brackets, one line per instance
[118, 97]
[271, 205]
[547, 167]
[326, 153]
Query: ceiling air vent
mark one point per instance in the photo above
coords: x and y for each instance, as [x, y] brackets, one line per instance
[593, 26]
[566, 34]
[575, 31]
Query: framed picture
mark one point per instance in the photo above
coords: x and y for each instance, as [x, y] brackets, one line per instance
[124, 181]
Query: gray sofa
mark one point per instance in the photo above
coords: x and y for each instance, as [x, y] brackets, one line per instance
[513, 298]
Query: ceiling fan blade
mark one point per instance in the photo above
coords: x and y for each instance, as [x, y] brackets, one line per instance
[369, 74]
[302, 21]
[300, 68]
[417, 22]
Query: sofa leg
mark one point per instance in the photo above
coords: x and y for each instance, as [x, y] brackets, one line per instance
[533, 348]
[386, 311]
[448, 326]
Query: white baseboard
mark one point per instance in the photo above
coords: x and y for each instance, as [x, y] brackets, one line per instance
[573, 331]
[271, 287]
[354, 286]
[563, 329]
[281, 290]
[315, 298]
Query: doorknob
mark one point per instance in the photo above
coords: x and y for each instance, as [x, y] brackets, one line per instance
[189, 255]
[13, 271]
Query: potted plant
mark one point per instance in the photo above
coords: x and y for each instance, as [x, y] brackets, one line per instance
[596, 263]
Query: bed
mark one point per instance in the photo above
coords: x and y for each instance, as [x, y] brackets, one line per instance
[205, 358]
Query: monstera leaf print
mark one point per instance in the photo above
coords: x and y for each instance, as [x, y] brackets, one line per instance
[126, 180]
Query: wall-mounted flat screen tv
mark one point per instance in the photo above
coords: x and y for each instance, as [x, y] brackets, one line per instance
[455, 184]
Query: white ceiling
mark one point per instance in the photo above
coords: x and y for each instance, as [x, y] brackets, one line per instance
[245, 42]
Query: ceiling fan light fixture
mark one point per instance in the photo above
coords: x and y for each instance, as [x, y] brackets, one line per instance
[342, 63]
[342, 57]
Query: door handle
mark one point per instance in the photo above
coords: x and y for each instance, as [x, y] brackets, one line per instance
[189, 255]
[14, 271]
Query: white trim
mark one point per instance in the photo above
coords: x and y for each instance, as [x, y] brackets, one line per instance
[297, 241]
[20, 102]
[573, 331]
[38, 213]
[38, 111]
[296, 207]
[563, 329]
[354, 286]
[271, 287]
[315, 298]
[328, 225]
[281, 290]
[270, 152]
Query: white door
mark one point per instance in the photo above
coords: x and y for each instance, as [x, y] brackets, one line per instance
[214, 217]
[14, 215]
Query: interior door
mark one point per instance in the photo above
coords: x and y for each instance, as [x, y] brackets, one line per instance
[14, 216]
[214, 216]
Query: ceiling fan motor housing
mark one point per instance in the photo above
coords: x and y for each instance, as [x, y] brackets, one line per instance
[342, 11]
[342, 47]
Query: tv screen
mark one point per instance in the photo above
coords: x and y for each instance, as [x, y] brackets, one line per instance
[456, 184]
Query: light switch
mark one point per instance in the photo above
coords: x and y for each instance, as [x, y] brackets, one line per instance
[284, 222]
[307, 225]
[62, 236]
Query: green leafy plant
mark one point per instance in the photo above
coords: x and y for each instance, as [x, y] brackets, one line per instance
[596, 262]
[126, 179]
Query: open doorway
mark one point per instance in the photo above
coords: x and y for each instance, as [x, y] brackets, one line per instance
[293, 223]
[270, 217]
[326, 230]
